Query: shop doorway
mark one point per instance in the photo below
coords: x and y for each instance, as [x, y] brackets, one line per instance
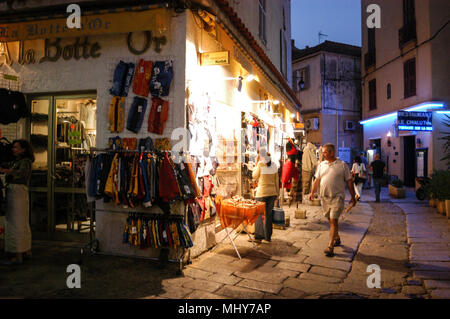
[62, 129]
[409, 160]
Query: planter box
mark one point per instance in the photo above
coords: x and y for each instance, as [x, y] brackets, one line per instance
[397, 192]
[441, 207]
[432, 202]
[447, 208]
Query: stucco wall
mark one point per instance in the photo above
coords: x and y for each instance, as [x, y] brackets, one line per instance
[333, 85]
[440, 48]
[248, 11]
[96, 75]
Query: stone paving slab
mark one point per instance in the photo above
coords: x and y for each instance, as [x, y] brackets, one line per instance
[204, 285]
[328, 262]
[310, 286]
[311, 276]
[224, 279]
[430, 284]
[432, 265]
[198, 294]
[176, 282]
[173, 293]
[260, 286]
[437, 275]
[328, 272]
[268, 275]
[413, 290]
[196, 273]
[441, 293]
[298, 267]
[235, 292]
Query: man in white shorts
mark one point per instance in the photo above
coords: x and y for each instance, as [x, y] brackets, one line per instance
[331, 175]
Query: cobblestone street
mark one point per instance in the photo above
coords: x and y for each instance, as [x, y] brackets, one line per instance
[406, 238]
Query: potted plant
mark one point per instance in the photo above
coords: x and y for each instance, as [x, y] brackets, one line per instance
[440, 189]
[396, 189]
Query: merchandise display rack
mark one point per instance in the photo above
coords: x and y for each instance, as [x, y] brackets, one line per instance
[93, 245]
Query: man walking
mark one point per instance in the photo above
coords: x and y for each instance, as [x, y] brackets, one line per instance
[378, 168]
[331, 176]
[366, 165]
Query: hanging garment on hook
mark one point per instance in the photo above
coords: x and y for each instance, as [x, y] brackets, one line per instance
[136, 114]
[142, 77]
[13, 106]
[117, 114]
[161, 78]
[159, 113]
[111, 187]
[168, 186]
[123, 77]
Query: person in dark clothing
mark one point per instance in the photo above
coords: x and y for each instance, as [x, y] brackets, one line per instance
[378, 168]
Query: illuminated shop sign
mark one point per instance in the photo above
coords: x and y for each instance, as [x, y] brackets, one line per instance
[414, 121]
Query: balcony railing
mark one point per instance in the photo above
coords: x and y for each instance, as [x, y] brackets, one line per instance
[369, 59]
[407, 33]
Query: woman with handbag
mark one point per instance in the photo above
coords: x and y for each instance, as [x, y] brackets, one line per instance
[359, 172]
[17, 226]
[266, 173]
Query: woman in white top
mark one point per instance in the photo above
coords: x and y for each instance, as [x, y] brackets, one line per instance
[359, 172]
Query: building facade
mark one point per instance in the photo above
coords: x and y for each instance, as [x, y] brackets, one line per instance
[327, 80]
[226, 95]
[406, 69]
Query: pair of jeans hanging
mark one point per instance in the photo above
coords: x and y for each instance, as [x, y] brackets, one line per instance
[136, 114]
[162, 75]
[123, 77]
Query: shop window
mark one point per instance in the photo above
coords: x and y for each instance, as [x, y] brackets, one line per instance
[262, 21]
[372, 94]
[369, 57]
[408, 32]
[409, 75]
[409, 12]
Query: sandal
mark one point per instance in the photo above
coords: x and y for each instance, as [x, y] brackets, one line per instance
[337, 242]
[329, 252]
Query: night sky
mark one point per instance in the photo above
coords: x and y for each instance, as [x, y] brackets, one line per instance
[339, 19]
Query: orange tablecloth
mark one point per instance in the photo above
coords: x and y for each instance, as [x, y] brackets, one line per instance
[232, 215]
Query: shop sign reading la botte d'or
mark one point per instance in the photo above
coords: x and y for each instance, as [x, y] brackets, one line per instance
[51, 31]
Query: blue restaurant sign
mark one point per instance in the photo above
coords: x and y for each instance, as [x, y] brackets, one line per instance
[414, 121]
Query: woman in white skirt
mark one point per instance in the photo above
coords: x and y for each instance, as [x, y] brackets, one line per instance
[359, 172]
[17, 225]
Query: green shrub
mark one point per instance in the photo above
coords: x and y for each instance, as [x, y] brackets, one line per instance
[439, 186]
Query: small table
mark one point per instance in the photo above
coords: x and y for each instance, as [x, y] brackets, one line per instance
[234, 214]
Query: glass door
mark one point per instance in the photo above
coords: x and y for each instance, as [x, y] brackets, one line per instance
[61, 143]
[40, 185]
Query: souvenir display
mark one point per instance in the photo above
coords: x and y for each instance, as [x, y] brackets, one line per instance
[146, 231]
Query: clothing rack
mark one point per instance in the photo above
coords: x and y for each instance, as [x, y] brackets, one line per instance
[164, 251]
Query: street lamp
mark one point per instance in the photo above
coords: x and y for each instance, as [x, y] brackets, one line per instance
[301, 84]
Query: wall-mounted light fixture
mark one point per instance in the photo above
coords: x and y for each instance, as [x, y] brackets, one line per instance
[389, 139]
[301, 84]
[239, 80]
